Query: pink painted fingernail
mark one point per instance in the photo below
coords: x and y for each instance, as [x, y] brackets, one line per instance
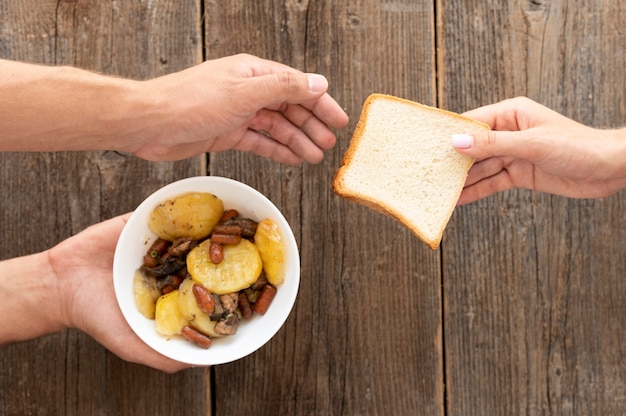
[462, 141]
[317, 83]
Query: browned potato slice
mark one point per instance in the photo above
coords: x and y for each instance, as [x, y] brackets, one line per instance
[240, 268]
[272, 250]
[190, 310]
[168, 318]
[146, 293]
[193, 214]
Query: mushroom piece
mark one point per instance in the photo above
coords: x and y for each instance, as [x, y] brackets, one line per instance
[228, 326]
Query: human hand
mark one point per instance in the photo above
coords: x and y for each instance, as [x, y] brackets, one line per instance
[83, 265]
[533, 147]
[241, 102]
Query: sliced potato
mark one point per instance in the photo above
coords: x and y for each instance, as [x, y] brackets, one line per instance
[272, 250]
[240, 268]
[191, 311]
[193, 214]
[168, 318]
[146, 293]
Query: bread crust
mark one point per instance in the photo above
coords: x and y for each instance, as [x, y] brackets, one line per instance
[378, 205]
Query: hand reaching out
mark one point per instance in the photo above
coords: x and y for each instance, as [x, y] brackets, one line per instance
[238, 102]
[246, 103]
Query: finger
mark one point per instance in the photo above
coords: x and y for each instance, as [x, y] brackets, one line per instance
[282, 87]
[273, 84]
[484, 169]
[513, 114]
[324, 108]
[486, 187]
[259, 66]
[485, 144]
[134, 350]
[284, 132]
[328, 111]
[313, 127]
[260, 144]
[160, 362]
[499, 116]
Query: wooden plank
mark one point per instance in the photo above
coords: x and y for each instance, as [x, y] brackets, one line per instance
[365, 334]
[533, 294]
[55, 195]
[533, 284]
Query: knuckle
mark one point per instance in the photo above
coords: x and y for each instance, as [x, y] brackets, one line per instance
[287, 81]
[490, 138]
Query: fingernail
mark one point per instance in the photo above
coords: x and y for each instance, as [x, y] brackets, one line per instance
[462, 141]
[317, 83]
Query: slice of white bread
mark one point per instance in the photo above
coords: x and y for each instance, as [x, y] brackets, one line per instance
[401, 162]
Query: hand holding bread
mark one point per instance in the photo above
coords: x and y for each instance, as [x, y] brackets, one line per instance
[400, 162]
[534, 147]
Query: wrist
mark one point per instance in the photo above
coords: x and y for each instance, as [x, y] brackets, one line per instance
[32, 305]
[143, 111]
[619, 157]
[110, 113]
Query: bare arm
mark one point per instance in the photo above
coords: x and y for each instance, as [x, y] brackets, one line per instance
[240, 102]
[62, 108]
[30, 299]
[71, 286]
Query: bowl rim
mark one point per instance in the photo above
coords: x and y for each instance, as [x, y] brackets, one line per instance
[222, 350]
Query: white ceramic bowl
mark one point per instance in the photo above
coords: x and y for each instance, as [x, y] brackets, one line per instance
[136, 238]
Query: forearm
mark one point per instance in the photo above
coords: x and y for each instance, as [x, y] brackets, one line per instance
[31, 304]
[44, 108]
[617, 157]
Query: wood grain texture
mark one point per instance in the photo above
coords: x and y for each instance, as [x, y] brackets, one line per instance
[54, 195]
[365, 335]
[533, 283]
[520, 312]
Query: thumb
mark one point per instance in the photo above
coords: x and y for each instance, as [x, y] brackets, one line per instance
[485, 144]
[291, 87]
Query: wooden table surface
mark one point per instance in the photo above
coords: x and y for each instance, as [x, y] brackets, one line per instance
[522, 311]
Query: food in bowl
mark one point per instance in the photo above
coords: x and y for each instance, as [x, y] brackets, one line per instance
[208, 269]
[136, 239]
